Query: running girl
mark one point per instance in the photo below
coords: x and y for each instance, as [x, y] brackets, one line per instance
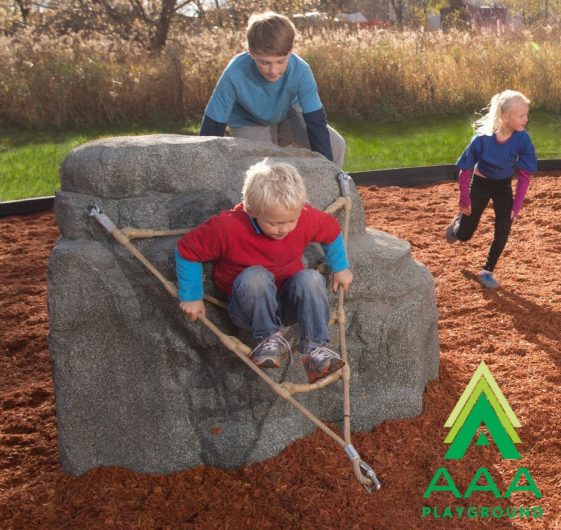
[500, 149]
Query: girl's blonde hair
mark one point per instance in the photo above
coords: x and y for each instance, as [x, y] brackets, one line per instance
[269, 184]
[270, 34]
[500, 104]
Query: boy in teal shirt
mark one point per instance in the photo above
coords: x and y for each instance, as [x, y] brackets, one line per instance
[269, 94]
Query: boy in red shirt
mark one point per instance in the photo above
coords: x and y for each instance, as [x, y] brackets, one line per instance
[256, 249]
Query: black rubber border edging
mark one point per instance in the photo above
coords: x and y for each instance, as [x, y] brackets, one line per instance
[405, 176]
[23, 206]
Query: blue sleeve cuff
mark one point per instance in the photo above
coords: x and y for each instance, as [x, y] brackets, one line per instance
[189, 279]
[209, 127]
[336, 255]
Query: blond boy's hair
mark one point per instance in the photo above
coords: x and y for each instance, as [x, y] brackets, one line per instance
[270, 34]
[269, 184]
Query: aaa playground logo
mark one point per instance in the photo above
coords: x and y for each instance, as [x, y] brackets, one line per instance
[482, 412]
[482, 403]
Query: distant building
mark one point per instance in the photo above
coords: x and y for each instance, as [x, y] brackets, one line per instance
[352, 18]
[474, 13]
[433, 21]
[310, 19]
[486, 16]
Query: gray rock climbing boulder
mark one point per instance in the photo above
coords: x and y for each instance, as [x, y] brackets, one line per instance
[139, 386]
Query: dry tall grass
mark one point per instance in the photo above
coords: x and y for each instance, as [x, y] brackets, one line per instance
[400, 75]
[47, 82]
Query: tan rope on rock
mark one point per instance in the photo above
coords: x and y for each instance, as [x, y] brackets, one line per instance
[300, 388]
[139, 233]
[363, 473]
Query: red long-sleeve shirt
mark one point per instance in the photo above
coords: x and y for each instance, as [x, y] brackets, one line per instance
[232, 243]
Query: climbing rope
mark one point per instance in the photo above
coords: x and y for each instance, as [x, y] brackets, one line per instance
[362, 471]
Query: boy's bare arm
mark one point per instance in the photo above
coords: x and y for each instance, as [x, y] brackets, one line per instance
[193, 309]
[343, 278]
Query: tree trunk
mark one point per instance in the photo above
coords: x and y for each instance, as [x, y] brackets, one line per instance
[24, 9]
[159, 38]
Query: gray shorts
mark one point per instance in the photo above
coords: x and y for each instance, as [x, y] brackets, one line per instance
[291, 132]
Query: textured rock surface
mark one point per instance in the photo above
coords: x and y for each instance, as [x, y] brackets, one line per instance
[137, 385]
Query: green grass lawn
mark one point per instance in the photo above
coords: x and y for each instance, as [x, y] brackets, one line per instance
[431, 141]
[29, 161]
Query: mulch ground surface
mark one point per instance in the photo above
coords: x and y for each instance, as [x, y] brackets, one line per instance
[515, 330]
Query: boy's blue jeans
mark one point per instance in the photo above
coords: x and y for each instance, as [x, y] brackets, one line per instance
[256, 305]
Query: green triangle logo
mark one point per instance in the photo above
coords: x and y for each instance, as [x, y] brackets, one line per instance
[482, 440]
[482, 404]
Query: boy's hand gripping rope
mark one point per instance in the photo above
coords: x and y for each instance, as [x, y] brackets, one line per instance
[362, 471]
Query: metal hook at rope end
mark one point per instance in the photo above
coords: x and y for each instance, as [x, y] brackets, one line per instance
[93, 209]
[344, 179]
[96, 213]
[365, 474]
[368, 472]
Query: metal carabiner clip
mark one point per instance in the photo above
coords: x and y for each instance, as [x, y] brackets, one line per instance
[368, 472]
[365, 469]
[344, 179]
[96, 213]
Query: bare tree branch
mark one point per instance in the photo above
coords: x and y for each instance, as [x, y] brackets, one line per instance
[138, 7]
[187, 2]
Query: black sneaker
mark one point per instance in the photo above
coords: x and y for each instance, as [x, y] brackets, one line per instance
[271, 352]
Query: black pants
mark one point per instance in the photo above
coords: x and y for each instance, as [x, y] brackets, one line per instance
[480, 192]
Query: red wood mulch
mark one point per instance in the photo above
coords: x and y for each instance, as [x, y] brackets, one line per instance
[516, 331]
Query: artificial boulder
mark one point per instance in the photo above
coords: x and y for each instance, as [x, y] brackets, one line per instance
[137, 385]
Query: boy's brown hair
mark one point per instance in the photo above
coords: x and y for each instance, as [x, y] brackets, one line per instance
[270, 34]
